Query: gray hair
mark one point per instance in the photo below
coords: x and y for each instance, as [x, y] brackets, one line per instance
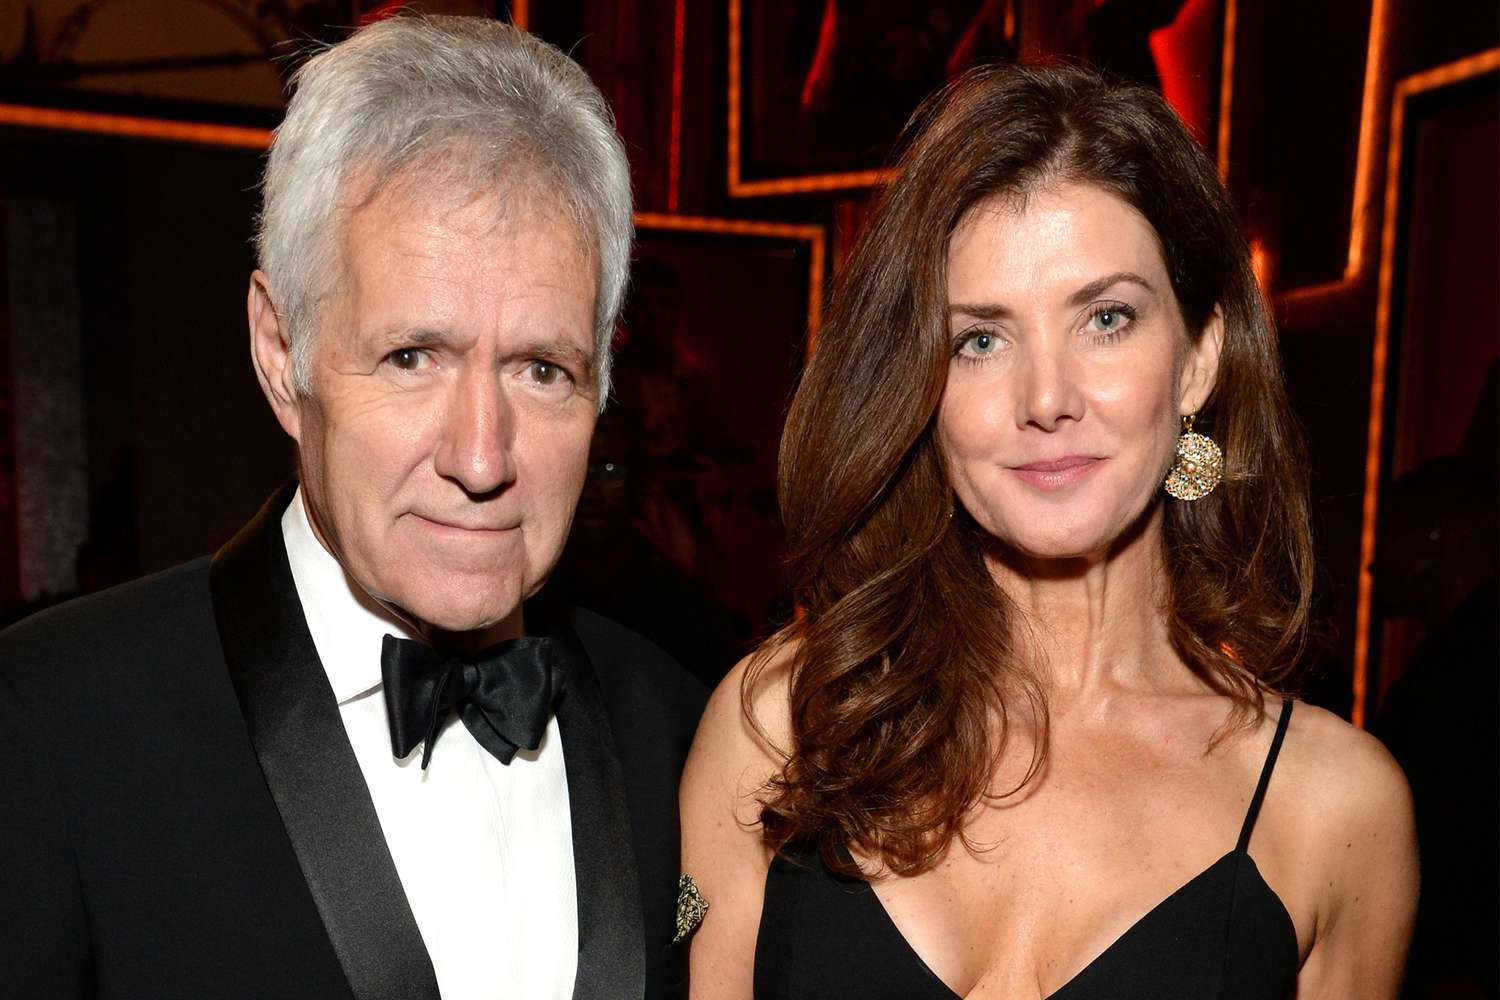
[490, 99]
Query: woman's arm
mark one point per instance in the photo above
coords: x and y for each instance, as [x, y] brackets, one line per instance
[721, 846]
[1368, 849]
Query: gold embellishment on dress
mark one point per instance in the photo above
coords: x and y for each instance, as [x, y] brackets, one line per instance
[691, 906]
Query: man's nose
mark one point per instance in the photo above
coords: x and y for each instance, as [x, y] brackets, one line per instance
[477, 435]
[1050, 392]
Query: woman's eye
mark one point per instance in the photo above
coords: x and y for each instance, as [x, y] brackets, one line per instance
[408, 359]
[1110, 319]
[981, 343]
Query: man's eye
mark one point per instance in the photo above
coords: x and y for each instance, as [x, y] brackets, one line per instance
[408, 359]
[546, 373]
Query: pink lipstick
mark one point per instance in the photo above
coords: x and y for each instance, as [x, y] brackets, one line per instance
[1057, 473]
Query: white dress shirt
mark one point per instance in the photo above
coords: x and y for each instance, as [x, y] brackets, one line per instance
[484, 849]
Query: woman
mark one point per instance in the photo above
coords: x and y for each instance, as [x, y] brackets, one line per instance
[1027, 738]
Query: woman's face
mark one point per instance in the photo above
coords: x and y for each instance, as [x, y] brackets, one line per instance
[1071, 368]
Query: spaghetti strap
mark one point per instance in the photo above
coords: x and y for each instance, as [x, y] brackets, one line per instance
[1265, 775]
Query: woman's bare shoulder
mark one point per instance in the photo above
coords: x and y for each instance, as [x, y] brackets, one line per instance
[747, 713]
[744, 735]
[1341, 809]
[1350, 811]
[1349, 774]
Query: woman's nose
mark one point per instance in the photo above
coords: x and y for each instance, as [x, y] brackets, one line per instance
[1050, 392]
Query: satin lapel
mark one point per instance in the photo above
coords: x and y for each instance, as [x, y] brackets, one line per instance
[310, 767]
[611, 932]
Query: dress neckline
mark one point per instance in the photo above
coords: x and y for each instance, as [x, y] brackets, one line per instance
[1239, 858]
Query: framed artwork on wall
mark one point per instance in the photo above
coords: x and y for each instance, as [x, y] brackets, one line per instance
[819, 90]
[1432, 423]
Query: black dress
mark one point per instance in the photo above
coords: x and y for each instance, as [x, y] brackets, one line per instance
[1224, 935]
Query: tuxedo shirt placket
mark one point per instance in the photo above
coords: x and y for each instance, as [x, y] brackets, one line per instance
[483, 849]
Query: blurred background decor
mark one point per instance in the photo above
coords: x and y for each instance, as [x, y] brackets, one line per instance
[819, 88]
[677, 531]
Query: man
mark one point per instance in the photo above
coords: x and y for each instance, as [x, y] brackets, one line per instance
[344, 757]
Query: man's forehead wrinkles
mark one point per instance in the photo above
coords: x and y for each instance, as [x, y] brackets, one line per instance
[451, 266]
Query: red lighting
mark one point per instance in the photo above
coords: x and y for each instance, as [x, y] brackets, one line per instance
[1185, 51]
[674, 149]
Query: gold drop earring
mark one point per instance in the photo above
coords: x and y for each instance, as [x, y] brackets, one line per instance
[1199, 465]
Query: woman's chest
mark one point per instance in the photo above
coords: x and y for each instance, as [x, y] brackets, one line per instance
[1051, 879]
[1222, 934]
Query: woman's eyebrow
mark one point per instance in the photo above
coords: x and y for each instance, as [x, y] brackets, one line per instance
[1095, 288]
[985, 310]
[1089, 292]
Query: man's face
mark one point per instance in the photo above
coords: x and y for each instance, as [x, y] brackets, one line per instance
[445, 438]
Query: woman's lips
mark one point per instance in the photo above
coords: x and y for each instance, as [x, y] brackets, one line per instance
[1057, 473]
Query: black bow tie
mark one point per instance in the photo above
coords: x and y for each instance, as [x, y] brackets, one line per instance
[504, 695]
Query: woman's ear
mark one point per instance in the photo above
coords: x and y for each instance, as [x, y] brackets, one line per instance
[271, 355]
[1200, 371]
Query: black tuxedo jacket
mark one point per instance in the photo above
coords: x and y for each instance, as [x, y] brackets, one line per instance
[181, 814]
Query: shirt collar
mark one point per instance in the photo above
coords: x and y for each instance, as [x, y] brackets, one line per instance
[348, 628]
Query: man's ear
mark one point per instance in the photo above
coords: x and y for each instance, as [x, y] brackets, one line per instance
[1200, 371]
[271, 354]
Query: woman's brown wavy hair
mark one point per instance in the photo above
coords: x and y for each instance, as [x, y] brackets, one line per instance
[901, 665]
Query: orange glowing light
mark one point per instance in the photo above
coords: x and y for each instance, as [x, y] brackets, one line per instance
[199, 133]
[1260, 263]
[1226, 85]
[1361, 229]
[674, 146]
[814, 236]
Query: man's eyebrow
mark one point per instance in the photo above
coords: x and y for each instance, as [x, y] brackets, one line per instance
[581, 361]
[1089, 292]
[428, 336]
[414, 336]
